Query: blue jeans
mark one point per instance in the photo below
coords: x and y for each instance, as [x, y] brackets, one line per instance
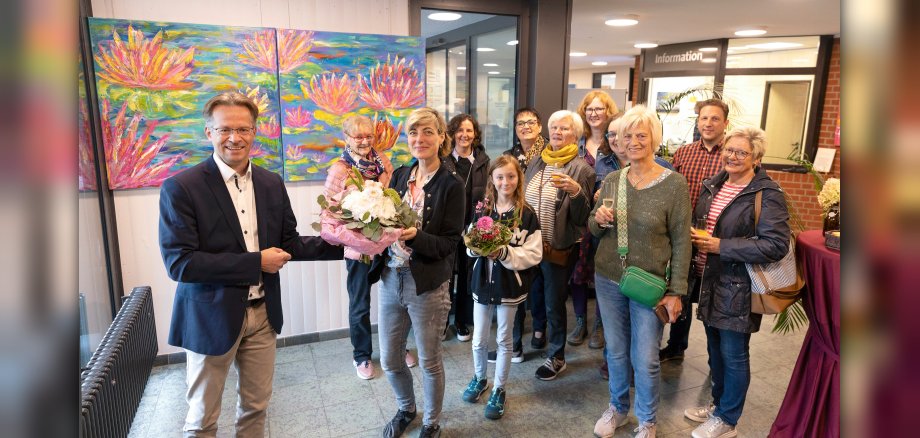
[401, 308]
[482, 323]
[359, 309]
[730, 363]
[633, 333]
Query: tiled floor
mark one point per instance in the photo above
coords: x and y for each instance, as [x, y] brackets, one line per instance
[317, 394]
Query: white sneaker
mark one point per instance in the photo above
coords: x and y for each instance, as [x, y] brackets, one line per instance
[609, 422]
[700, 414]
[646, 430]
[714, 427]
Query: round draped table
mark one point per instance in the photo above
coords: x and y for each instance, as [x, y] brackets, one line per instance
[811, 407]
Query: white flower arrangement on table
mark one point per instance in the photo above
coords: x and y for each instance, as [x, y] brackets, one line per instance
[830, 194]
[365, 217]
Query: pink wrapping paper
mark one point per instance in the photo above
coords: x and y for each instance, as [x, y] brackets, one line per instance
[334, 232]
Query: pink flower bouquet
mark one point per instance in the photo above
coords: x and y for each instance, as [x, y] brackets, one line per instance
[486, 236]
[365, 217]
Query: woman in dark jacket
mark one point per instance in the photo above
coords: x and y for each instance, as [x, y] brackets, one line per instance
[469, 159]
[726, 207]
[416, 271]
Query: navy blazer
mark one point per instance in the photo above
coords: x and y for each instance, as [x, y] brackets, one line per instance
[203, 248]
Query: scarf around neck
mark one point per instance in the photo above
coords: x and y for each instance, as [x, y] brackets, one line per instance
[370, 169]
[560, 157]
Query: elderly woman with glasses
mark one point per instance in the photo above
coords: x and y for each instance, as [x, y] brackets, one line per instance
[558, 186]
[657, 235]
[726, 240]
[359, 153]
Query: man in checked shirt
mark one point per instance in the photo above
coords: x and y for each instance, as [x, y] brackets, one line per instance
[697, 161]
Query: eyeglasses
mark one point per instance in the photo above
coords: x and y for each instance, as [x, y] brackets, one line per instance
[528, 123]
[242, 132]
[595, 110]
[361, 138]
[611, 135]
[740, 154]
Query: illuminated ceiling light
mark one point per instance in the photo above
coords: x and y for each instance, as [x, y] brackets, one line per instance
[645, 45]
[494, 72]
[489, 64]
[751, 31]
[512, 43]
[708, 60]
[599, 63]
[623, 20]
[578, 54]
[485, 49]
[776, 45]
[708, 49]
[444, 16]
[461, 68]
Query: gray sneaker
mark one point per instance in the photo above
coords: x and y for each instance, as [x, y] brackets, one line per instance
[646, 430]
[714, 427]
[609, 422]
[700, 413]
[580, 332]
[596, 341]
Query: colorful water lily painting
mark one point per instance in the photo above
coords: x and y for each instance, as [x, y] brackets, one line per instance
[153, 78]
[328, 76]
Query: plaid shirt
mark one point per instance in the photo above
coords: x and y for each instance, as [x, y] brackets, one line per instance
[695, 163]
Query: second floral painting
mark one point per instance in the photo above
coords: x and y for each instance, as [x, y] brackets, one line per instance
[154, 77]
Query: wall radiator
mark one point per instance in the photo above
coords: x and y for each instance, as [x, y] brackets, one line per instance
[113, 381]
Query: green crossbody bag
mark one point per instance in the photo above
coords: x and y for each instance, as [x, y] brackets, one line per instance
[636, 283]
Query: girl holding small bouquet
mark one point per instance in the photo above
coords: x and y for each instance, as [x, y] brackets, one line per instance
[500, 277]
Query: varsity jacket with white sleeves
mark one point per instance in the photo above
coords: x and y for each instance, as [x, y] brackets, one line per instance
[507, 279]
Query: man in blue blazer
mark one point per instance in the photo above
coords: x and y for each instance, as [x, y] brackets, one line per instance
[226, 229]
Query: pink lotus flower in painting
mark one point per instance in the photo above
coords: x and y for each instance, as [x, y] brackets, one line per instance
[297, 118]
[293, 152]
[259, 50]
[336, 95]
[385, 132]
[257, 151]
[293, 48]
[87, 165]
[143, 63]
[395, 84]
[270, 128]
[129, 158]
[260, 100]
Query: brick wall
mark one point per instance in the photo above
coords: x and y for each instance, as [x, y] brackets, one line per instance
[636, 74]
[799, 186]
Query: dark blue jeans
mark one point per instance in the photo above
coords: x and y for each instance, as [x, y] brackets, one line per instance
[359, 309]
[730, 363]
[537, 305]
[680, 330]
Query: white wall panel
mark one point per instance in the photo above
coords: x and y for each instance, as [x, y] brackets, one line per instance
[313, 293]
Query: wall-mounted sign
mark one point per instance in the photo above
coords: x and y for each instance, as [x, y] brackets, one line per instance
[697, 56]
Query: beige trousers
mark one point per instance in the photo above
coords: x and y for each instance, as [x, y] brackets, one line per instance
[254, 357]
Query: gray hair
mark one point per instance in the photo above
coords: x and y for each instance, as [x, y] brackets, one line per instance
[640, 116]
[352, 123]
[577, 124]
[755, 137]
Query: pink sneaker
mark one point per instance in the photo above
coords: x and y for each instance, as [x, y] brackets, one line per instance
[365, 369]
[411, 361]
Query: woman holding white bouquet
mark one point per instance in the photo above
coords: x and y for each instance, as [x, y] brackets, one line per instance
[415, 272]
[374, 166]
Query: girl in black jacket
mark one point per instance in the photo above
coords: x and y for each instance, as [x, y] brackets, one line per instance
[501, 280]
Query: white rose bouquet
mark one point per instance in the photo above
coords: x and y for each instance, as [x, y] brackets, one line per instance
[365, 217]
[830, 194]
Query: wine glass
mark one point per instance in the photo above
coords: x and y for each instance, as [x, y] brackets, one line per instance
[608, 203]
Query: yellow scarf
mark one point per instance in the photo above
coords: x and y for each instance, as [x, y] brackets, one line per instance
[560, 157]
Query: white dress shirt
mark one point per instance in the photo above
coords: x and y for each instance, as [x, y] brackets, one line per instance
[244, 202]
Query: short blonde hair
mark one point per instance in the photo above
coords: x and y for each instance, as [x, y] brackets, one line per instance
[230, 98]
[425, 116]
[640, 116]
[577, 124]
[755, 137]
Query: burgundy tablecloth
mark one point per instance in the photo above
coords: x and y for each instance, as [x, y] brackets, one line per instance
[811, 407]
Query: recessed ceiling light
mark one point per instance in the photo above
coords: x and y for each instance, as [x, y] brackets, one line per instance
[494, 72]
[444, 16]
[578, 54]
[708, 49]
[461, 68]
[489, 64]
[708, 60]
[645, 45]
[623, 20]
[599, 63]
[776, 45]
[485, 49]
[751, 31]
[512, 43]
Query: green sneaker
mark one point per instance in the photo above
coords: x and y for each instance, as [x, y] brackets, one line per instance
[475, 389]
[495, 408]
